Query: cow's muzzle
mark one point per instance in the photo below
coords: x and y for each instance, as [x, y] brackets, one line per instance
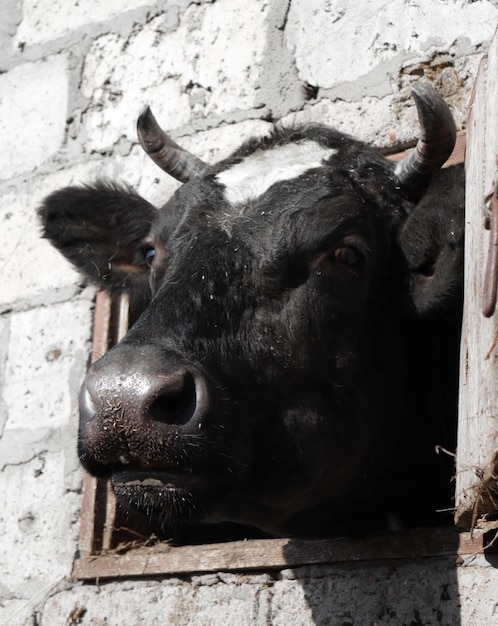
[137, 402]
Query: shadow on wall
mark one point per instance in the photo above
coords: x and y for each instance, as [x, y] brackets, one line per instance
[408, 592]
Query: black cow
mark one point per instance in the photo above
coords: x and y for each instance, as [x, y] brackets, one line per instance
[295, 362]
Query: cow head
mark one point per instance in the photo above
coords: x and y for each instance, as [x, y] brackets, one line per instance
[286, 295]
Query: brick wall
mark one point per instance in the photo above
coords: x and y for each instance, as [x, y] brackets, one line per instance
[73, 77]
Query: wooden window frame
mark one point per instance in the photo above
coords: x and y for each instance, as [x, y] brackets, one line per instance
[477, 458]
[101, 557]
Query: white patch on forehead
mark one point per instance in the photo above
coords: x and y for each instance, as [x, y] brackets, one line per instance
[259, 171]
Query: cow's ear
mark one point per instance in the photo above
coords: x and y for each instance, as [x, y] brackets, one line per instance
[100, 229]
[431, 242]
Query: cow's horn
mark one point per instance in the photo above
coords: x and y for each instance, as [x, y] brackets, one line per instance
[165, 152]
[436, 142]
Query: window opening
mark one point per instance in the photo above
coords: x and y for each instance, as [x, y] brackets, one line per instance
[111, 545]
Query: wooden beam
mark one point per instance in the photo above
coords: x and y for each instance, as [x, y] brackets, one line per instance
[92, 512]
[265, 554]
[477, 467]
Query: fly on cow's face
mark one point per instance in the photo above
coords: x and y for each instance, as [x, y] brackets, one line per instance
[291, 367]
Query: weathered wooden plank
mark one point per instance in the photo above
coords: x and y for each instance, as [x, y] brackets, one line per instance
[101, 325]
[476, 483]
[264, 554]
[118, 327]
[92, 516]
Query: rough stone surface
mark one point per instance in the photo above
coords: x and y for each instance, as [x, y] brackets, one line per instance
[10, 16]
[427, 592]
[47, 355]
[121, 74]
[337, 43]
[34, 272]
[33, 100]
[73, 77]
[39, 519]
[169, 602]
[43, 20]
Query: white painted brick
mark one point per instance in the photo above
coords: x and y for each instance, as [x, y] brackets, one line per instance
[44, 20]
[10, 12]
[340, 41]
[158, 603]
[382, 122]
[361, 594]
[370, 119]
[37, 544]
[48, 352]
[428, 592]
[30, 265]
[218, 143]
[478, 597]
[45, 360]
[33, 272]
[33, 103]
[4, 349]
[173, 70]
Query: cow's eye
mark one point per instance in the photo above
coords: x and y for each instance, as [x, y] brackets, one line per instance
[149, 254]
[347, 255]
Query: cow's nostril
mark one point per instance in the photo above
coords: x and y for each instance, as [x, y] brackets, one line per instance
[176, 405]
